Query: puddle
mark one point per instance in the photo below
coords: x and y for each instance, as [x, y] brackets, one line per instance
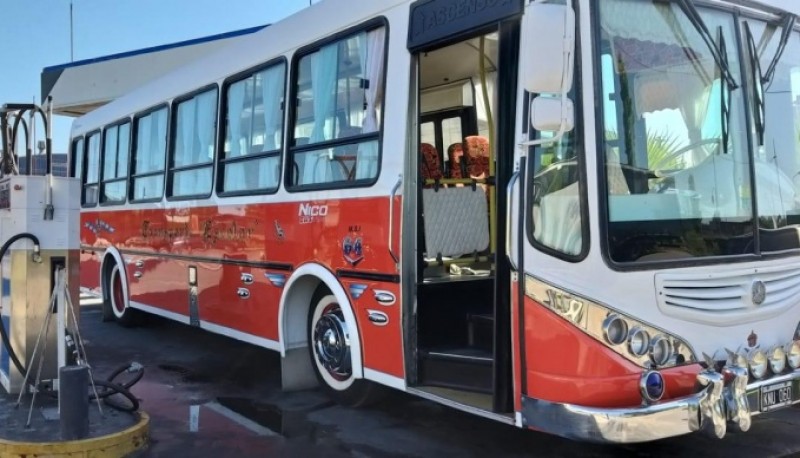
[289, 424]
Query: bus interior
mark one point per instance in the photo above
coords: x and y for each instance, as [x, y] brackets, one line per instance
[457, 221]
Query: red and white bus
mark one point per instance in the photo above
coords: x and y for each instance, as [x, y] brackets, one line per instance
[577, 217]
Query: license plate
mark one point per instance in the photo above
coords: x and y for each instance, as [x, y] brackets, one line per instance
[776, 396]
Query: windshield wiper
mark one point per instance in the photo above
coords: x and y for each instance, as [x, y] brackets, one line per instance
[760, 79]
[787, 25]
[699, 25]
[725, 94]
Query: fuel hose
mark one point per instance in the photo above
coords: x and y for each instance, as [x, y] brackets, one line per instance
[108, 387]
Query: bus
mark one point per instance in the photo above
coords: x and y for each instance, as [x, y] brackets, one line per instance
[579, 217]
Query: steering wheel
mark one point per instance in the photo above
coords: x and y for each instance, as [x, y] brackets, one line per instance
[680, 152]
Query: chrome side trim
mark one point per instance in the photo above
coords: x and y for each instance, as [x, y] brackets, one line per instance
[715, 407]
[378, 318]
[384, 297]
[510, 200]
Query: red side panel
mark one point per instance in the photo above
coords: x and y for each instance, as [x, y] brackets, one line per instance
[266, 240]
[565, 365]
[382, 344]
[90, 269]
[515, 344]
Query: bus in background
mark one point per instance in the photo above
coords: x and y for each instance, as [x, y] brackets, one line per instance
[578, 217]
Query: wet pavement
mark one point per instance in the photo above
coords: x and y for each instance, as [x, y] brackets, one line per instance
[21, 423]
[210, 396]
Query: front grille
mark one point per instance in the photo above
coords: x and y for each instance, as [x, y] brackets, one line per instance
[729, 293]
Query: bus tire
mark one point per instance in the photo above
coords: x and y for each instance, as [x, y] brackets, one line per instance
[329, 349]
[116, 303]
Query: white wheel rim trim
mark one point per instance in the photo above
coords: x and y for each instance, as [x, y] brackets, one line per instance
[330, 380]
[114, 278]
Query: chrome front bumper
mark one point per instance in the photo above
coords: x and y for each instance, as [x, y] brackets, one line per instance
[714, 408]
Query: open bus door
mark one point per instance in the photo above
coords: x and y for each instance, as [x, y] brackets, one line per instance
[459, 345]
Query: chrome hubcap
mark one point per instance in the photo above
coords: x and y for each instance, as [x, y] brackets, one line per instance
[332, 344]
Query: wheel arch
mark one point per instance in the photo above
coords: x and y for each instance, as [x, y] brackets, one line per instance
[295, 304]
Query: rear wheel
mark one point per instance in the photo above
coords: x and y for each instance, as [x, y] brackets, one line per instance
[117, 302]
[329, 348]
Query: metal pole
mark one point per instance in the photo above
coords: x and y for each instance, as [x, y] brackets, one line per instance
[73, 402]
[71, 36]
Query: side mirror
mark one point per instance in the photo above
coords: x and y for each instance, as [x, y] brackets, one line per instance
[552, 115]
[548, 48]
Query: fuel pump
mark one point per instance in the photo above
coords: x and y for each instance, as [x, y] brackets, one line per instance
[39, 224]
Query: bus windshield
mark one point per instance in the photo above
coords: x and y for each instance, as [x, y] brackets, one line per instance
[678, 165]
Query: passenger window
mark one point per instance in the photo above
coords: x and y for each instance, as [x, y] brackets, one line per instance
[149, 155]
[339, 90]
[91, 178]
[193, 145]
[116, 144]
[253, 132]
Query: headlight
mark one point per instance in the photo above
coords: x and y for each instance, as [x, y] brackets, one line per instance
[638, 341]
[792, 351]
[757, 362]
[660, 350]
[777, 360]
[615, 329]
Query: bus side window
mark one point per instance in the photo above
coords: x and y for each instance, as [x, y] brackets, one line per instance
[339, 91]
[192, 148]
[251, 156]
[116, 147]
[149, 155]
[91, 177]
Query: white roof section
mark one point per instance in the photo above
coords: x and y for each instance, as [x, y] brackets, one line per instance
[80, 87]
[279, 39]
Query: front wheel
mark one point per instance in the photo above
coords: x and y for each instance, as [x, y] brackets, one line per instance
[329, 348]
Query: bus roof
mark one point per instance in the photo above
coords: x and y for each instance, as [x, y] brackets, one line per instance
[280, 38]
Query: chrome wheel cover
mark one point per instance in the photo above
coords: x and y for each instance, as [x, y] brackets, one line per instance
[332, 344]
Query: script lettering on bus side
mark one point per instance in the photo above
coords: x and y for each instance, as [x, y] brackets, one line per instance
[231, 232]
[150, 231]
[457, 9]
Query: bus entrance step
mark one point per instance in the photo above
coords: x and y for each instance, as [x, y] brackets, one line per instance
[480, 331]
[466, 368]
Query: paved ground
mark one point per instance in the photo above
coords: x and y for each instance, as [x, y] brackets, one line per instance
[196, 382]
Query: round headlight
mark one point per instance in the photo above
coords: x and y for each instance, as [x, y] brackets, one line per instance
[660, 350]
[615, 329]
[792, 351]
[638, 341]
[777, 360]
[757, 362]
[651, 386]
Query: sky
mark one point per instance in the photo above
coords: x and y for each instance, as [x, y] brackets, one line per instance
[37, 34]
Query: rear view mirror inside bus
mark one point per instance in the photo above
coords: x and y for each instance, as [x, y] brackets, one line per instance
[548, 32]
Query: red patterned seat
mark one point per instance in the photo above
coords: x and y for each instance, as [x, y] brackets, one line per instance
[430, 166]
[477, 156]
[455, 154]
